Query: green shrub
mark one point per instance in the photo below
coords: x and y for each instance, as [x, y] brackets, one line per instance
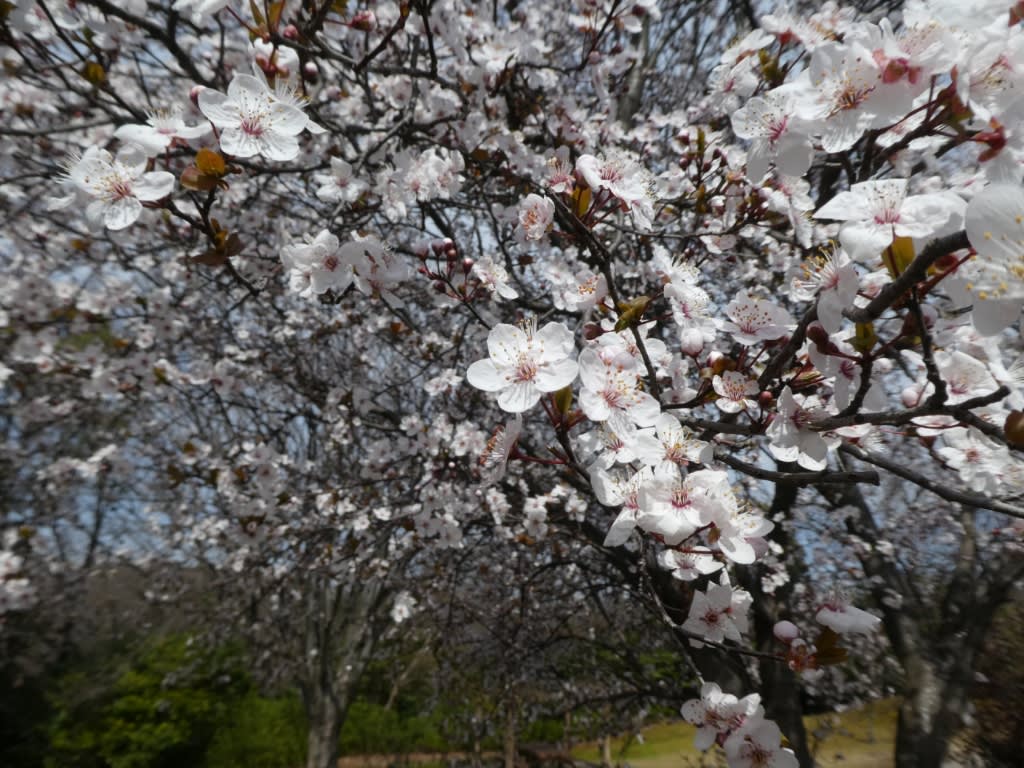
[262, 733]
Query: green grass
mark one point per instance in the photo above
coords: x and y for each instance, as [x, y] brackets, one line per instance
[861, 738]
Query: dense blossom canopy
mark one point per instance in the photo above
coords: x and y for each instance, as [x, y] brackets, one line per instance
[274, 271]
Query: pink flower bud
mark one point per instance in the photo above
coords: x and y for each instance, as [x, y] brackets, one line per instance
[910, 396]
[193, 95]
[692, 342]
[290, 32]
[786, 631]
[364, 21]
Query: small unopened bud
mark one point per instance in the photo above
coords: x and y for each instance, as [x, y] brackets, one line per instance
[364, 21]
[910, 397]
[440, 287]
[467, 265]
[193, 95]
[591, 331]
[764, 400]
[786, 631]
[310, 71]
[691, 342]
[290, 32]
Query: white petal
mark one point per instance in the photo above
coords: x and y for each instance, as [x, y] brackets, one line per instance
[554, 376]
[279, 147]
[152, 142]
[557, 341]
[153, 186]
[993, 315]
[505, 343]
[215, 106]
[122, 213]
[485, 375]
[287, 119]
[235, 141]
[518, 397]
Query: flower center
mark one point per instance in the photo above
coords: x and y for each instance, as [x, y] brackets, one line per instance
[252, 125]
[526, 369]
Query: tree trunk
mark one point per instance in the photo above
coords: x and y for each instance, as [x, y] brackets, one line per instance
[927, 721]
[325, 720]
[606, 751]
[510, 733]
[780, 686]
[339, 641]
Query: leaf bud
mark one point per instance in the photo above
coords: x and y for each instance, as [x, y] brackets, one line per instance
[1014, 429]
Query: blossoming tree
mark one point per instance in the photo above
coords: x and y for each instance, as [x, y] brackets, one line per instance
[340, 283]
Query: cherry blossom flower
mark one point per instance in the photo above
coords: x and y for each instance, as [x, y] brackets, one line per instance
[716, 713]
[838, 93]
[674, 447]
[494, 459]
[317, 265]
[561, 178]
[612, 445]
[625, 180]
[253, 120]
[838, 615]
[614, 489]
[535, 216]
[610, 390]
[688, 566]
[965, 376]
[741, 534]
[494, 277]
[718, 614]
[832, 278]
[790, 438]
[524, 363]
[733, 389]
[995, 228]
[535, 510]
[777, 134]
[339, 186]
[980, 462]
[752, 321]
[586, 291]
[160, 130]
[16, 591]
[758, 744]
[119, 185]
[840, 363]
[690, 312]
[403, 607]
[675, 508]
[878, 211]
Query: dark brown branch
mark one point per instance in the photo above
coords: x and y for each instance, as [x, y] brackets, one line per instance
[949, 494]
[799, 478]
[915, 273]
